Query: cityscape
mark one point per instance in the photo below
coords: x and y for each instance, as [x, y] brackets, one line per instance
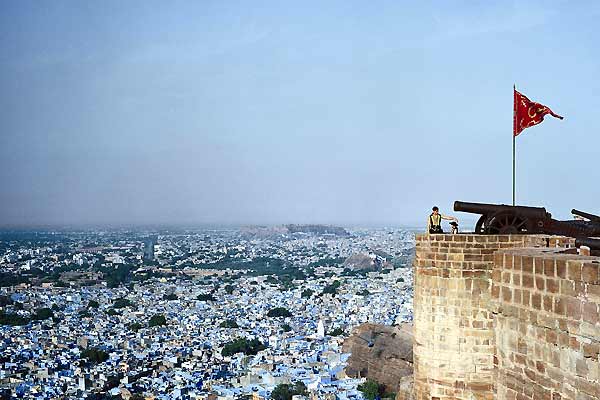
[239, 313]
[341, 200]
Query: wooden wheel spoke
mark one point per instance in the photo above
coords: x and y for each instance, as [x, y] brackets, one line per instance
[503, 223]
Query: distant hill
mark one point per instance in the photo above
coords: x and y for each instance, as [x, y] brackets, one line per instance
[264, 231]
[284, 230]
[318, 229]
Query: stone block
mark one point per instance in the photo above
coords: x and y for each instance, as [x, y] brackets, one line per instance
[527, 280]
[591, 313]
[550, 267]
[574, 307]
[552, 286]
[574, 270]
[589, 273]
[561, 268]
[527, 264]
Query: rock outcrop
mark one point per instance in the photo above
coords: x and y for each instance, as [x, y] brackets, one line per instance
[383, 354]
[360, 262]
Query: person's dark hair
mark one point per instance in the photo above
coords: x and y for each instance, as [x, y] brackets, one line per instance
[435, 208]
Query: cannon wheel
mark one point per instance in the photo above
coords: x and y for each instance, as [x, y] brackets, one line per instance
[503, 223]
[479, 225]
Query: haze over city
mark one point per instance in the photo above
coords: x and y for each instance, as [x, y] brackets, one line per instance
[266, 112]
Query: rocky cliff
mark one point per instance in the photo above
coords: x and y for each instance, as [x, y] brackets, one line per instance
[381, 353]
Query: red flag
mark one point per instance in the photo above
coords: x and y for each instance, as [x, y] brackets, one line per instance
[528, 113]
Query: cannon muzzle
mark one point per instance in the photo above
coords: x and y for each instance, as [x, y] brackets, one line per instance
[591, 217]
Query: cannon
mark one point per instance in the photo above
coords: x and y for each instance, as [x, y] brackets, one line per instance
[593, 244]
[504, 219]
[582, 214]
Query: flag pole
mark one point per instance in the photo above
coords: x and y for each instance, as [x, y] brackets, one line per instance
[513, 143]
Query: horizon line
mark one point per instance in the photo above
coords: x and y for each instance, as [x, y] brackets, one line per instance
[179, 225]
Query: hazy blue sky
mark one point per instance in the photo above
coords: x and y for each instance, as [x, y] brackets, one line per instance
[269, 112]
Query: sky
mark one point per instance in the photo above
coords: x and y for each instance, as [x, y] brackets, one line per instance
[250, 112]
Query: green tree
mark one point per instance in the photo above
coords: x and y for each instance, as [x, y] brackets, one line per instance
[369, 389]
[135, 326]
[5, 300]
[12, 319]
[332, 288]
[229, 289]
[327, 261]
[205, 297]
[11, 279]
[112, 311]
[286, 327]
[307, 293]
[93, 355]
[336, 332]
[285, 391]
[170, 296]
[93, 304]
[279, 312]
[157, 320]
[286, 285]
[230, 323]
[115, 276]
[372, 390]
[242, 345]
[43, 313]
[121, 303]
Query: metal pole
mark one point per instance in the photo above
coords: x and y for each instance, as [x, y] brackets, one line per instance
[514, 169]
[513, 142]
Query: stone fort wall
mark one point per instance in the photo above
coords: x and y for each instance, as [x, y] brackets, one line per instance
[505, 317]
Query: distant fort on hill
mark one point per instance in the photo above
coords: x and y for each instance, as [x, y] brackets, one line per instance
[317, 229]
[290, 229]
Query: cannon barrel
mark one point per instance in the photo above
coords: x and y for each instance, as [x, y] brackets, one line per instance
[487, 209]
[591, 217]
[593, 244]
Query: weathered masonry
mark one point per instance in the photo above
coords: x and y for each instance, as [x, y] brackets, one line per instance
[511, 317]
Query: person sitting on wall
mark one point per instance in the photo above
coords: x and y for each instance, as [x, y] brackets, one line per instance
[434, 222]
[454, 228]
